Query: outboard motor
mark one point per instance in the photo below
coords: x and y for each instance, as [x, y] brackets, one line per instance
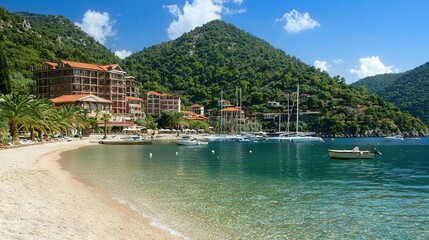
[376, 151]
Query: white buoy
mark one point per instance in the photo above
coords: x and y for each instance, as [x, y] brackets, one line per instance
[150, 155]
[250, 151]
[177, 153]
[213, 151]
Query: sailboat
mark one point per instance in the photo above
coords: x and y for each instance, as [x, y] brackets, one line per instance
[298, 137]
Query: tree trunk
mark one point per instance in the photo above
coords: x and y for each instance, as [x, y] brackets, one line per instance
[13, 130]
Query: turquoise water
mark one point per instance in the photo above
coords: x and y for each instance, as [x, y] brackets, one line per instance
[267, 190]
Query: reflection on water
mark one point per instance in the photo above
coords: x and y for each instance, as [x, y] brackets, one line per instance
[268, 190]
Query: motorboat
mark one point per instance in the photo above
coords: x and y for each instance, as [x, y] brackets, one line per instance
[126, 140]
[299, 139]
[394, 138]
[190, 141]
[355, 153]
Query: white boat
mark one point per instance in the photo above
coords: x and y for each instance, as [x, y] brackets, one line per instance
[356, 153]
[127, 140]
[188, 141]
[298, 139]
[394, 138]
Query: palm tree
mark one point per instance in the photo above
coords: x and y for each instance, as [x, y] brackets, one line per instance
[43, 115]
[69, 116]
[16, 110]
[106, 118]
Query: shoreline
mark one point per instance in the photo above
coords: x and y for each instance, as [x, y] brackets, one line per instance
[40, 200]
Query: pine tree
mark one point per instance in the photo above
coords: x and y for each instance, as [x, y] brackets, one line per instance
[5, 85]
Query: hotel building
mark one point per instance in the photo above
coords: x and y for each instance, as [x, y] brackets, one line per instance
[155, 103]
[74, 78]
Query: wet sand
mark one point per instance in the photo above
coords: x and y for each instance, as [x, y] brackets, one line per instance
[39, 200]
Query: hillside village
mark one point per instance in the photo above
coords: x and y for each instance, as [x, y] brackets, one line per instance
[198, 82]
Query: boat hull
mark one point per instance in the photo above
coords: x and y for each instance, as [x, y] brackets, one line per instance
[350, 154]
[126, 142]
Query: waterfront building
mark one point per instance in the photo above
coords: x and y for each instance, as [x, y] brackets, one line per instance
[95, 105]
[198, 109]
[155, 103]
[75, 78]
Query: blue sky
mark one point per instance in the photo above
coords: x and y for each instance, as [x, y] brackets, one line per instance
[350, 38]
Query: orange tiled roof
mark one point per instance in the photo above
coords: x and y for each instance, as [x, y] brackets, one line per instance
[231, 109]
[134, 98]
[52, 64]
[196, 118]
[76, 98]
[196, 105]
[153, 93]
[82, 65]
[110, 67]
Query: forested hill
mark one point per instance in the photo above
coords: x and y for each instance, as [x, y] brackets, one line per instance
[375, 83]
[215, 57]
[218, 57]
[29, 39]
[410, 92]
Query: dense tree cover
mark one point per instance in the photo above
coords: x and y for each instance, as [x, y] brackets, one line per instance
[219, 57]
[170, 120]
[5, 87]
[410, 92]
[30, 39]
[407, 90]
[375, 83]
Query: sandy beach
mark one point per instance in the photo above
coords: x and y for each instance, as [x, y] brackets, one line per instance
[39, 200]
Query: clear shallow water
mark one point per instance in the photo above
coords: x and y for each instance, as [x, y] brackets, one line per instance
[276, 191]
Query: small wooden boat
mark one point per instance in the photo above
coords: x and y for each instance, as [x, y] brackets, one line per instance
[356, 153]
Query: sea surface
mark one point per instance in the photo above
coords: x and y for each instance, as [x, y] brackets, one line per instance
[267, 190]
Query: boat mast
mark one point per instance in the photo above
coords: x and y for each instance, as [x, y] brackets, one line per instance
[297, 108]
[240, 111]
[221, 112]
[288, 112]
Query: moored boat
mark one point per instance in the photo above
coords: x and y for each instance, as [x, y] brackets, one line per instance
[188, 141]
[355, 153]
[394, 138]
[129, 140]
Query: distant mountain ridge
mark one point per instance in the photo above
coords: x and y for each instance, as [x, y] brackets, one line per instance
[409, 90]
[29, 39]
[375, 83]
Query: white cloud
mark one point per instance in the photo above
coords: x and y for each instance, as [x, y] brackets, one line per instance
[338, 61]
[123, 53]
[98, 25]
[197, 13]
[297, 22]
[174, 10]
[322, 65]
[370, 66]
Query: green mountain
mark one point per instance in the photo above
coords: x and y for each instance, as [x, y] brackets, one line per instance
[29, 39]
[375, 83]
[410, 92]
[219, 58]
